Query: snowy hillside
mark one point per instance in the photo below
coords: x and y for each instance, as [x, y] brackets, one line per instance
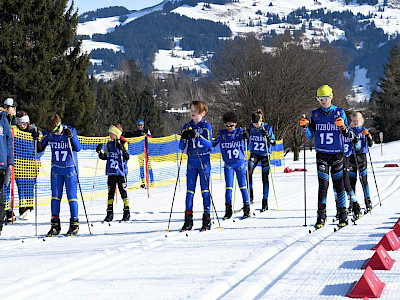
[247, 16]
[270, 256]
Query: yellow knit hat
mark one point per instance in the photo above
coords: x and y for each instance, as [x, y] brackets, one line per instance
[324, 91]
[114, 129]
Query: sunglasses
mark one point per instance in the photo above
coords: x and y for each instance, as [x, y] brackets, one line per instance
[57, 128]
[323, 98]
[230, 125]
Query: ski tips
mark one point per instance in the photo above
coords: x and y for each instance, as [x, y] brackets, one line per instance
[220, 228]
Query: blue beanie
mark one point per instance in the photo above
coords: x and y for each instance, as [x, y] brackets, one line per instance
[140, 122]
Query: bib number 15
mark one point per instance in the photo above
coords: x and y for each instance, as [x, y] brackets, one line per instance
[326, 138]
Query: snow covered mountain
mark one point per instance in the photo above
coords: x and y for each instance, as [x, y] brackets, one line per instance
[368, 30]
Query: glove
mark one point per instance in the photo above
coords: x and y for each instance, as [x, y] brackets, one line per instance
[185, 134]
[120, 146]
[304, 122]
[246, 134]
[35, 134]
[7, 176]
[194, 134]
[366, 132]
[68, 133]
[265, 133]
[99, 147]
[355, 139]
[340, 122]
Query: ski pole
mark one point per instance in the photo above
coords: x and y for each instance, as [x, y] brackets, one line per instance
[305, 180]
[79, 184]
[176, 184]
[36, 175]
[270, 171]
[373, 173]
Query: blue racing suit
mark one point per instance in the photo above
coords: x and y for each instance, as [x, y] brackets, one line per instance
[62, 169]
[198, 163]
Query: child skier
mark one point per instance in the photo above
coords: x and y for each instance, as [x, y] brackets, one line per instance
[360, 150]
[328, 124]
[64, 144]
[232, 141]
[197, 135]
[261, 137]
[116, 169]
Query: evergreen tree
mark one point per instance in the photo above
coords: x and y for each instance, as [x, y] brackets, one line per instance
[387, 98]
[41, 64]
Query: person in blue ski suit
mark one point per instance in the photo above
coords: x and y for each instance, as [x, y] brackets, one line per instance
[6, 160]
[232, 143]
[64, 143]
[328, 125]
[260, 143]
[360, 150]
[354, 206]
[116, 169]
[197, 136]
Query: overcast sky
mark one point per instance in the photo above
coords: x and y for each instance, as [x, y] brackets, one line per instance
[87, 5]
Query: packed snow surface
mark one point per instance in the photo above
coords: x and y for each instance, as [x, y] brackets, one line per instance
[269, 256]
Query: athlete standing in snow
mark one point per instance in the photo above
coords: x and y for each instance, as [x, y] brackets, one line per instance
[328, 124]
[261, 141]
[360, 150]
[232, 141]
[197, 135]
[61, 139]
[116, 169]
[6, 160]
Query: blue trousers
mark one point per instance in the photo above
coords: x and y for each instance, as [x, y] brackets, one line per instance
[59, 177]
[198, 167]
[240, 169]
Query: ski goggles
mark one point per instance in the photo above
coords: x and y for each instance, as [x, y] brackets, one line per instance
[230, 125]
[57, 128]
[323, 98]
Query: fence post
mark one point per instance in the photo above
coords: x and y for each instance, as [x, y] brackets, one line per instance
[12, 181]
[146, 163]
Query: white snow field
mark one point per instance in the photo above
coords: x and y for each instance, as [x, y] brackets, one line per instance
[270, 256]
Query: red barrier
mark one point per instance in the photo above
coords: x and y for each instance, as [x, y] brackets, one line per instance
[380, 260]
[390, 242]
[300, 170]
[287, 170]
[396, 228]
[369, 285]
[391, 166]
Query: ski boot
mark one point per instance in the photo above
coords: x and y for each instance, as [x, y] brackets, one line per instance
[25, 212]
[368, 204]
[321, 217]
[188, 221]
[206, 222]
[264, 205]
[55, 227]
[10, 217]
[251, 196]
[73, 227]
[342, 217]
[356, 211]
[228, 211]
[246, 211]
[110, 213]
[127, 214]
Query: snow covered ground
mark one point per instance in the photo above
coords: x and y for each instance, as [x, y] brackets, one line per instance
[270, 256]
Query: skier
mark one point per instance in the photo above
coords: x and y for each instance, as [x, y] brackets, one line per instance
[25, 171]
[116, 169]
[360, 150]
[64, 144]
[232, 141]
[197, 135]
[327, 124]
[261, 137]
[354, 206]
[141, 131]
[6, 160]
[10, 107]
